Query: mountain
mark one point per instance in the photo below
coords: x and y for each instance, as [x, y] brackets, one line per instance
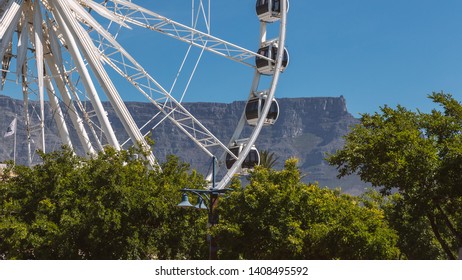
[307, 128]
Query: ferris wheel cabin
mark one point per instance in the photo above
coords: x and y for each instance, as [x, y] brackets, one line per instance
[250, 161]
[254, 108]
[269, 10]
[270, 51]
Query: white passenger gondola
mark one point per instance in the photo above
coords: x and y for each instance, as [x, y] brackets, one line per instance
[269, 10]
[251, 160]
[267, 66]
[254, 108]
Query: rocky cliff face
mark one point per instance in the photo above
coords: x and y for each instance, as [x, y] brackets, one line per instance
[307, 128]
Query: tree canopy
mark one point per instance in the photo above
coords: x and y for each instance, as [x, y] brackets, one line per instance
[277, 216]
[418, 155]
[108, 207]
[114, 207]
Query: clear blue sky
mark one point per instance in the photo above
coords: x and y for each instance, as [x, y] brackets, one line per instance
[373, 52]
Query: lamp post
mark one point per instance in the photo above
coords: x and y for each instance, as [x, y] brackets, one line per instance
[207, 199]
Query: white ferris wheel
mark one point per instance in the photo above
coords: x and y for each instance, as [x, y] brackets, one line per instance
[66, 53]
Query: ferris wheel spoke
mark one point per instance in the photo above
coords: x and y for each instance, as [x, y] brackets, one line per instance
[8, 25]
[105, 82]
[76, 120]
[10, 20]
[38, 45]
[58, 115]
[128, 68]
[137, 15]
[70, 92]
[103, 11]
[22, 43]
[83, 72]
[124, 64]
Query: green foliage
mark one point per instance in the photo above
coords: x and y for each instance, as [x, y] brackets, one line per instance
[416, 239]
[107, 207]
[268, 159]
[420, 156]
[279, 217]
[113, 207]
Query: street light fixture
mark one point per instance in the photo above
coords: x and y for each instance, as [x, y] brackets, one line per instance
[200, 204]
[185, 201]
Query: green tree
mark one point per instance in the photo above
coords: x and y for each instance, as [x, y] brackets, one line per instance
[419, 155]
[107, 207]
[416, 239]
[278, 217]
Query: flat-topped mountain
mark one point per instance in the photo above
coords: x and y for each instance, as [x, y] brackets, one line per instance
[307, 128]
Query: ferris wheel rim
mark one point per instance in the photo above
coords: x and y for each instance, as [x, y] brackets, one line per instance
[250, 142]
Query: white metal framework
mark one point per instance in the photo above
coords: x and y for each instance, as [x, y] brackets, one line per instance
[66, 53]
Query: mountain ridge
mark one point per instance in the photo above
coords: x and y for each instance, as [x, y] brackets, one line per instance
[307, 128]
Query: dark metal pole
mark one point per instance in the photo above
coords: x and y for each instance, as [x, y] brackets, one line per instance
[213, 220]
[213, 172]
[213, 216]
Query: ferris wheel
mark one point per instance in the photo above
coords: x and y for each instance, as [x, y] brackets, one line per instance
[66, 53]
